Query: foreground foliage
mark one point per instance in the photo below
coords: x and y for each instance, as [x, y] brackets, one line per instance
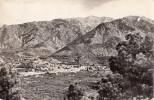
[73, 93]
[8, 81]
[132, 70]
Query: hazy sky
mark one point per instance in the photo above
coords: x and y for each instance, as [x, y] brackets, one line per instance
[20, 11]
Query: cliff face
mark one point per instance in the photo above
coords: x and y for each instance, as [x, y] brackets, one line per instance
[102, 40]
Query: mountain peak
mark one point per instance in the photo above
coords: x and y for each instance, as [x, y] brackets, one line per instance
[138, 18]
[102, 40]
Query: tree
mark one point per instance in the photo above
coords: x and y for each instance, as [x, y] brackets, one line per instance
[73, 93]
[113, 87]
[133, 62]
[8, 80]
[147, 46]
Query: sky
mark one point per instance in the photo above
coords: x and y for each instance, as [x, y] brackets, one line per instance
[21, 11]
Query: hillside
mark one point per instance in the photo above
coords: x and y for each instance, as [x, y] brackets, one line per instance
[88, 23]
[42, 38]
[101, 41]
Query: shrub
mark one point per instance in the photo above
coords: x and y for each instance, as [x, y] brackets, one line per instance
[112, 87]
[8, 81]
[134, 67]
[73, 93]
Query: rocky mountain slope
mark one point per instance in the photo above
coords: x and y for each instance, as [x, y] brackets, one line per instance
[88, 23]
[42, 38]
[101, 41]
[73, 40]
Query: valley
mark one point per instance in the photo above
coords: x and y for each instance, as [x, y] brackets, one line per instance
[49, 56]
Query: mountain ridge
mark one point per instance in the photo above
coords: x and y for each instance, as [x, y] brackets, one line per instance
[106, 36]
[43, 37]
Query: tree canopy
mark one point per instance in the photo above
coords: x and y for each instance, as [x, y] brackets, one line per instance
[133, 66]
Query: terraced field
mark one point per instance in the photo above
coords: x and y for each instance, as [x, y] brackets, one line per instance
[52, 86]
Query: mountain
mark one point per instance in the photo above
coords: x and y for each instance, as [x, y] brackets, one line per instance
[88, 23]
[45, 37]
[74, 40]
[102, 40]
[36, 37]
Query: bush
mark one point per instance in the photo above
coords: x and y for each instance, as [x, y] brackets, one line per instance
[73, 93]
[8, 80]
[134, 67]
[112, 87]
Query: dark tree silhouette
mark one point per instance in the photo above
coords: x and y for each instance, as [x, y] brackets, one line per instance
[73, 93]
[8, 80]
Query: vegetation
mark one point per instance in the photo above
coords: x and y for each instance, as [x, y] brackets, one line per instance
[8, 81]
[132, 70]
[73, 93]
[47, 87]
[112, 87]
